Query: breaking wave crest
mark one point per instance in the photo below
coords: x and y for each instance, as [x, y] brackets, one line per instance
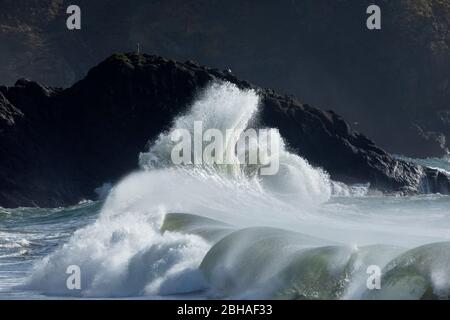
[237, 233]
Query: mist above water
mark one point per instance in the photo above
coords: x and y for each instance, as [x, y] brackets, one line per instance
[124, 253]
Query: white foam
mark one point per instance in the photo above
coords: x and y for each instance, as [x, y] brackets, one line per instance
[124, 254]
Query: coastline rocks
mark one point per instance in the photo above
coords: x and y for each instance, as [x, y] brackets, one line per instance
[57, 146]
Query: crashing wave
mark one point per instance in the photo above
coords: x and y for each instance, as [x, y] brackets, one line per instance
[239, 234]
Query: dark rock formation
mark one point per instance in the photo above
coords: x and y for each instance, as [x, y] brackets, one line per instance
[57, 146]
[394, 82]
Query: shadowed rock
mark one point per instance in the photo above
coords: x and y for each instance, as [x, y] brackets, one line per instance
[57, 146]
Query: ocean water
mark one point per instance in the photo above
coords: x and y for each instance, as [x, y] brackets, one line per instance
[225, 231]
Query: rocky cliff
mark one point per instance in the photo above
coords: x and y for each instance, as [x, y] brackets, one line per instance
[58, 145]
[392, 84]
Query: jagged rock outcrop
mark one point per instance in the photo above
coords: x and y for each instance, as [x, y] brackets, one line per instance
[57, 146]
[393, 84]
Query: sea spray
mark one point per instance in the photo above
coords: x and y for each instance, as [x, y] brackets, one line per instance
[226, 108]
[124, 254]
[131, 250]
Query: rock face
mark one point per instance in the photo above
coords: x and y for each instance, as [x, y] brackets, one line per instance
[57, 146]
[393, 82]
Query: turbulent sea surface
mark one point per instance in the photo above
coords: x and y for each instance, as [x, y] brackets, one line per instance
[224, 231]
